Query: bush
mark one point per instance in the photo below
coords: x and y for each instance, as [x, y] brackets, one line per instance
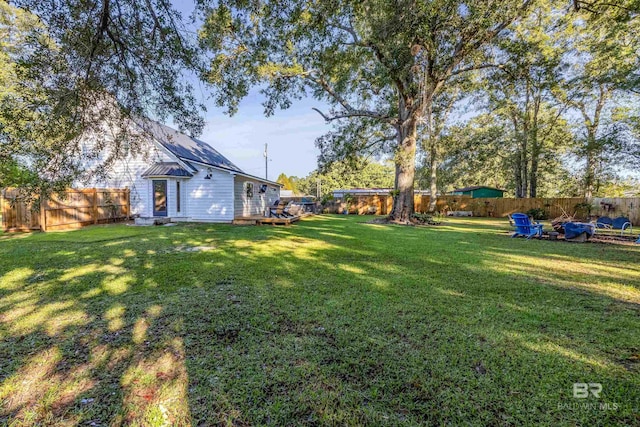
[538, 213]
[583, 210]
[326, 199]
[428, 218]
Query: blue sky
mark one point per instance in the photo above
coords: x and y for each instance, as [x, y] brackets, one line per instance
[290, 134]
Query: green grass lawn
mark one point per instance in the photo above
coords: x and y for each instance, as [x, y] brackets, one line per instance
[331, 321]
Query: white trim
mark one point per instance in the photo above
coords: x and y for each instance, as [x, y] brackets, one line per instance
[257, 178]
[232, 172]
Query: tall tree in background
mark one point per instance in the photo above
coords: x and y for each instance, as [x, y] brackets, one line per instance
[604, 65]
[475, 152]
[375, 60]
[522, 89]
[481, 151]
[78, 64]
[288, 182]
[432, 132]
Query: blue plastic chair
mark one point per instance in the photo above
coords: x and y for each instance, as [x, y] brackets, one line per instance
[524, 226]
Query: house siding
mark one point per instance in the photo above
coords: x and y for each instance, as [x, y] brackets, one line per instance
[210, 200]
[127, 173]
[256, 205]
[218, 199]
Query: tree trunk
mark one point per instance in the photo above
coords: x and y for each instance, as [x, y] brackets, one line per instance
[535, 147]
[592, 149]
[520, 156]
[403, 206]
[433, 184]
[517, 176]
[590, 172]
[524, 163]
[433, 134]
[535, 160]
[533, 177]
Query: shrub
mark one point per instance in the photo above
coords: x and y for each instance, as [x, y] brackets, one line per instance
[428, 218]
[326, 199]
[583, 209]
[538, 213]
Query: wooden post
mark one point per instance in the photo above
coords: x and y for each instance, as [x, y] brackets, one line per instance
[127, 194]
[4, 214]
[95, 206]
[43, 212]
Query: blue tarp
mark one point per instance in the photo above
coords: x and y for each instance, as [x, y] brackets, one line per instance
[574, 229]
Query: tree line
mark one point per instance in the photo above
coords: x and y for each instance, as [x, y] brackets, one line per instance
[357, 173]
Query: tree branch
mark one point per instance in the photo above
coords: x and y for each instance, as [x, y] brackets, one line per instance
[589, 6]
[476, 67]
[352, 114]
[350, 111]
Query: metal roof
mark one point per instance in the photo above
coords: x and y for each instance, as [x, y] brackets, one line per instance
[187, 148]
[374, 191]
[475, 187]
[167, 169]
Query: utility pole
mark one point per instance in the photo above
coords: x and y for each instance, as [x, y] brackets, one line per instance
[266, 162]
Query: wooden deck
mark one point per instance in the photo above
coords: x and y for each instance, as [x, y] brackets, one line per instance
[261, 220]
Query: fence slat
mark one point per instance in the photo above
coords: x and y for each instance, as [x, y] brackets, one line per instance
[500, 207]
[68, 209]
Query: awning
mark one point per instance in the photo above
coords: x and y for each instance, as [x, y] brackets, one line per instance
[168, 169]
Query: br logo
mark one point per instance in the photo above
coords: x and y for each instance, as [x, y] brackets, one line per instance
[583, 390]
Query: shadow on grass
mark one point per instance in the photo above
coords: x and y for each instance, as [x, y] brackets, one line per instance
[330, 321]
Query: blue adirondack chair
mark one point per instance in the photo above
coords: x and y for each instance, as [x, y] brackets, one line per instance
[524, 226]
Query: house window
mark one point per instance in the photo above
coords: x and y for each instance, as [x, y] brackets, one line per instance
[249, 189]
[177, 196]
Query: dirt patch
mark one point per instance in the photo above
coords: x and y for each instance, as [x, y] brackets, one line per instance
[606, 240]
[598, 239]
[193, 248]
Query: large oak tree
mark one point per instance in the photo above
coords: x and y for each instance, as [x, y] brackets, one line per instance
[382, 61]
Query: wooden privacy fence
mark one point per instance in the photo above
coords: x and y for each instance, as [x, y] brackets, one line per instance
[68, 209]
[497, 207]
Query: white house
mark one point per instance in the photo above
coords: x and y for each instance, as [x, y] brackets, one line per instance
[185, 179]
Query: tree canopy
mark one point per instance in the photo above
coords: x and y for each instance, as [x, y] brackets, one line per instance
[356, 173]
[68, 66]
[378, 61]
